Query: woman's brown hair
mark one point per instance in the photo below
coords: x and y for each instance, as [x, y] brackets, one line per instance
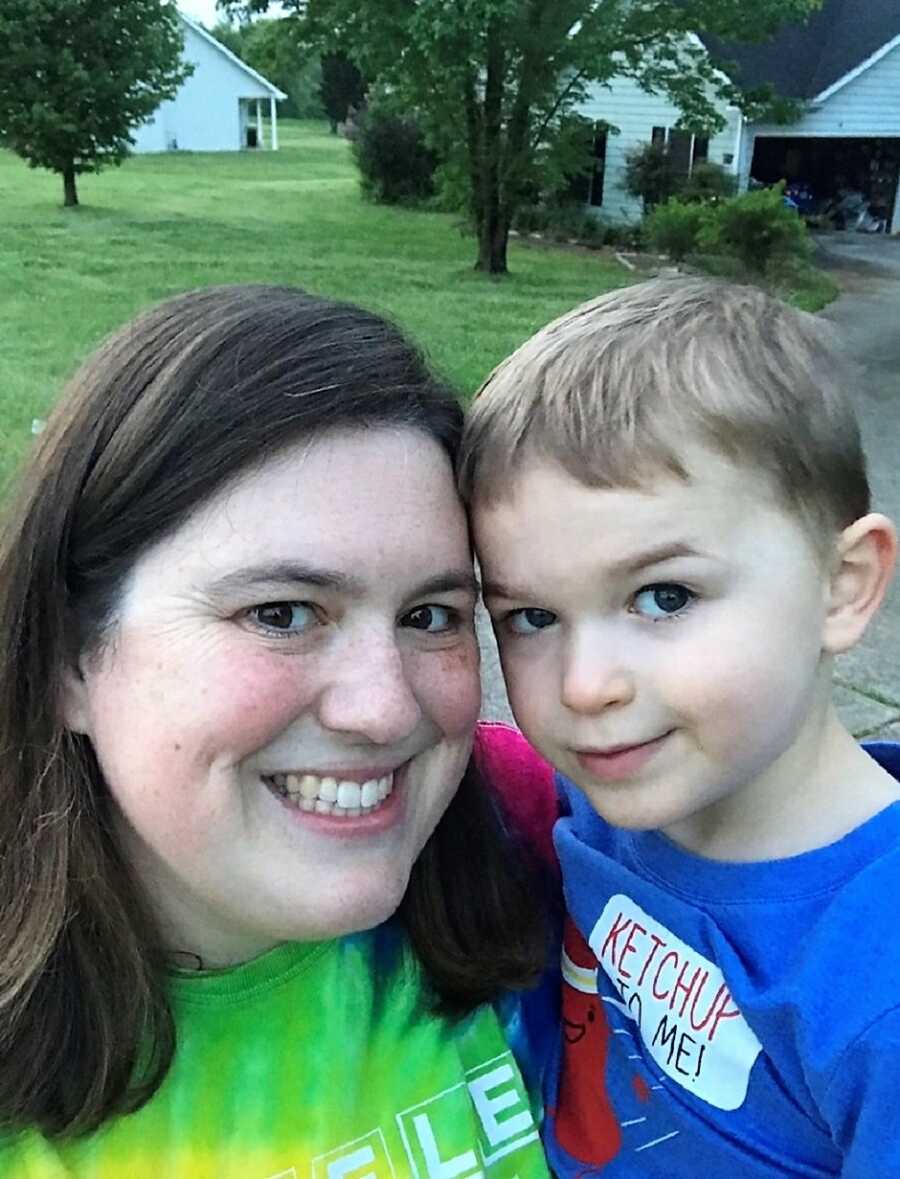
[168, 410]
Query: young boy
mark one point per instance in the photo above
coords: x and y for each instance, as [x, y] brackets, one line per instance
[672, 516]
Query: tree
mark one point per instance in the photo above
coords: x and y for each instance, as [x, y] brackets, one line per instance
[76, 77]
[493, 80]
[274, 48]
[342, 87]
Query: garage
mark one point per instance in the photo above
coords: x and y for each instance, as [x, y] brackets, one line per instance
[850, 182]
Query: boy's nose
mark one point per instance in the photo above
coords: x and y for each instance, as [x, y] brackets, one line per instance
[370, 696]
[594, 679]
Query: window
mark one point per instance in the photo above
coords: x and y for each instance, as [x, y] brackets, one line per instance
[686, 150]
[597, 177]
[681, 145]
[587, 188]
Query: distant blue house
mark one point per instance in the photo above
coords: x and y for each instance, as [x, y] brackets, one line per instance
[218, 108]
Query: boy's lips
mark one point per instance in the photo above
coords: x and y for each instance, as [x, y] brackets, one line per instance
[617, 762]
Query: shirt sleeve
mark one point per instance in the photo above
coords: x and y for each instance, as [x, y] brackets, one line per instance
[523, 782]
[862, 1102]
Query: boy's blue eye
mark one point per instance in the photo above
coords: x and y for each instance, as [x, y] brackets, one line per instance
[530, 620]
[287, 617]
[434, 620]
[663, 600]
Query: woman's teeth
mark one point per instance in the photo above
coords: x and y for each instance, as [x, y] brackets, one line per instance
[331, 796]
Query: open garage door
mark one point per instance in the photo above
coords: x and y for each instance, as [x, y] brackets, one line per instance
[829, 166]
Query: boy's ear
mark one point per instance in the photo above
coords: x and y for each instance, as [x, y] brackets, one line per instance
[861, 572]
[74, 701]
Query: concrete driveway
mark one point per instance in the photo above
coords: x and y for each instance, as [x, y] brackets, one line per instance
[867, 317]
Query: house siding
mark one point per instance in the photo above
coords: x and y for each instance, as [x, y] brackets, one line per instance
[204, 115]
[635, 113]
[868, 106]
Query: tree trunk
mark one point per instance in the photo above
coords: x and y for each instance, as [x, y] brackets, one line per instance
[69, 190]
[473, 149]
[494, 227]
[492, 243]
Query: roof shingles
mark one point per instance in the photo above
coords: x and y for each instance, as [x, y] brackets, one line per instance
[805, 59]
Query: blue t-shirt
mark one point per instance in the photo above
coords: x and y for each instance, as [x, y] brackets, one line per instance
[729, 1020]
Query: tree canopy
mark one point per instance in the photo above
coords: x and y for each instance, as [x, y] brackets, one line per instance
[77, 76]
[275, 49]
[343, 87]
[495, 81]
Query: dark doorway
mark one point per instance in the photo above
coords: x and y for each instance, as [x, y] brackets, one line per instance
[830, 165]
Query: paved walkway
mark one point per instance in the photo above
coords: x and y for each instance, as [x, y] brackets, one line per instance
[867, 316]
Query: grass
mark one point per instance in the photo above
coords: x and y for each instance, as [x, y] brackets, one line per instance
[811, 289]
[797, 282]
[165, 223]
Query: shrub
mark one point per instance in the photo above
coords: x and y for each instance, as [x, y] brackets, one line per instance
[758, 228]
[674, 228]
[649, 174]
[707, 184]
[561, 223]
[625, 236]
[395, 164]
[532, 219]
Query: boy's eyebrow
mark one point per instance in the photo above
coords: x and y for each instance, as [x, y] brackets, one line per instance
[293, 572]
[654, 556]
[630, 564]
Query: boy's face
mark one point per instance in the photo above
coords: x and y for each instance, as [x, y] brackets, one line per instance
[663, 646]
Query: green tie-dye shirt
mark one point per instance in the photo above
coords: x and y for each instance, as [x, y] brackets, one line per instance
[315, 1060]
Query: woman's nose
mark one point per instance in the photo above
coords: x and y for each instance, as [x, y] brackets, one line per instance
[370, 694]
[594, 678]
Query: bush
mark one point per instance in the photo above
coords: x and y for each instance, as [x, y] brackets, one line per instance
[561, 223]
[674, 228]
[758, 228]
[532, 219]
[649, 175]
[395, 164]
[624, 236]
[707, 185]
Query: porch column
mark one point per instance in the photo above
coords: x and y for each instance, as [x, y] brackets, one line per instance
[273, 121]
[894, 226]
[259, 126]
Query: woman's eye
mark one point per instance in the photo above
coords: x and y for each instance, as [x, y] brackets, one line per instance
[662, 601]
[288, 617]
[435, 620]
[530, 620]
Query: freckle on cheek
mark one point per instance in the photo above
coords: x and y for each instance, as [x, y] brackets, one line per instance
[457, 689]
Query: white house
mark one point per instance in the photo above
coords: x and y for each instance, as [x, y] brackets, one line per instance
[843, 65]
[218, 108]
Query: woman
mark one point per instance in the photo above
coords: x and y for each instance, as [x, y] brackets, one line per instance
[239, 695]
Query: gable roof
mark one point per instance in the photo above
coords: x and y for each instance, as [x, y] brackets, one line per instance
[811, 60]
[232, 57]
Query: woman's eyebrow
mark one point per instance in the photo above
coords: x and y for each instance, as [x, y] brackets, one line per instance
[285, 573]
[447, 582]
[280, 573]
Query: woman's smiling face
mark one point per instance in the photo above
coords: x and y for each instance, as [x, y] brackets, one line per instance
[285, 703]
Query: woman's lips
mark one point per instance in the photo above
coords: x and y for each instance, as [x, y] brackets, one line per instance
[618, 762]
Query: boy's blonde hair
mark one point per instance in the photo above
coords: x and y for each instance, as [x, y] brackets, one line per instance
[614, 390]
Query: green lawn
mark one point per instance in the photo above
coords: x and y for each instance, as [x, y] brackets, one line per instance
[162, 224]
